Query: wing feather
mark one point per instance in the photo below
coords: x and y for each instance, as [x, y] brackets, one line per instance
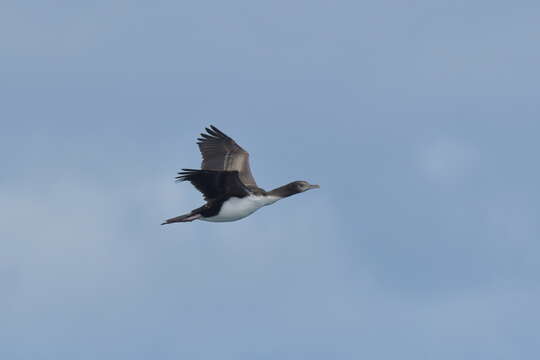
[213, 184]
[222, 153]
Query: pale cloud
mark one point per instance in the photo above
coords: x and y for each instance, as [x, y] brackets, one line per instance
[447, 161]
[426, 253]
[285, 273]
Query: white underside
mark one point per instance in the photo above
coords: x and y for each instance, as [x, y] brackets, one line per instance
[238, 208]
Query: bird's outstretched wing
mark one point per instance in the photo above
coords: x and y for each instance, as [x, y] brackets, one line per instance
[213, 184]
[220, 152]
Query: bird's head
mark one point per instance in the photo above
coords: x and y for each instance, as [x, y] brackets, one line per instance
[301, 186]
[292, 188]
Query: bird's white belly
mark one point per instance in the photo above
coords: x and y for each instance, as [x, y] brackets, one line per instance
[238, 208]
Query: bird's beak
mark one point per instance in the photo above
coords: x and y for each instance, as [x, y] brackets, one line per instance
[314, 186]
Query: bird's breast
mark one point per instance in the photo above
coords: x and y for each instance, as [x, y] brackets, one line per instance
[237, 208]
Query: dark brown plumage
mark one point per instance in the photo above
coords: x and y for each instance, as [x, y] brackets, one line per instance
[213, 184]
[220, 152]
[226, 182]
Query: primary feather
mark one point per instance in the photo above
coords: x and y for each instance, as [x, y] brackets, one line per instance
[220, 152]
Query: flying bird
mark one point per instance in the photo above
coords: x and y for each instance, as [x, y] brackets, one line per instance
[226, 182]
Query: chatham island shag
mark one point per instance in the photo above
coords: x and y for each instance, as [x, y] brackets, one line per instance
[226, 182]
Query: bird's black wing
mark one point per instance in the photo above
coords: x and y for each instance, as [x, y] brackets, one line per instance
[220, 152]
[214, 184]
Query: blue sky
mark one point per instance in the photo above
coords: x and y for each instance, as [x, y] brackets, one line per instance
[418, 118]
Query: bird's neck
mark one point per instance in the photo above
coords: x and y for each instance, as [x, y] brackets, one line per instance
[282, 191]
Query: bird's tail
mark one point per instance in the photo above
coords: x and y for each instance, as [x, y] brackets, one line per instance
[182, 218]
